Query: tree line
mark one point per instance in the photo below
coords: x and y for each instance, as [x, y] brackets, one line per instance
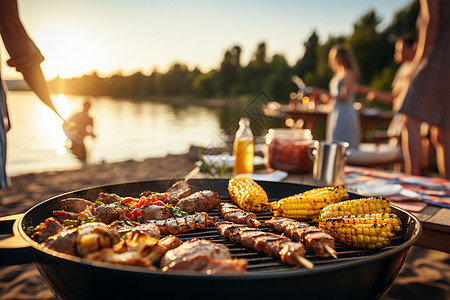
[373, 48]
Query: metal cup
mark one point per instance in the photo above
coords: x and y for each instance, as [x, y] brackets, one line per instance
[329, 162]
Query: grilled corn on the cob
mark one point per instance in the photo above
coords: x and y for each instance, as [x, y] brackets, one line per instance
[355, 207]
[247, 194]
[308, 204]
[370, 231]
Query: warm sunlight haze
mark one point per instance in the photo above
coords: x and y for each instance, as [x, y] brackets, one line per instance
[78, 37]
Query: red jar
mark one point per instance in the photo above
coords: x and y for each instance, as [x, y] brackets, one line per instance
[287, 150]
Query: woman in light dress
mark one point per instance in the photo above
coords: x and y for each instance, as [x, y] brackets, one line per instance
[343, 120]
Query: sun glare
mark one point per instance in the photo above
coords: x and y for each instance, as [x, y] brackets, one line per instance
[69, 51]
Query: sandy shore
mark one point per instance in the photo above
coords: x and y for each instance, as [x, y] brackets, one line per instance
[425, 275]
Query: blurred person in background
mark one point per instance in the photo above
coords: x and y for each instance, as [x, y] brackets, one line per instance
[428, 95]
[343, 120]
[26, 58]
[77, 128]
[405, 49]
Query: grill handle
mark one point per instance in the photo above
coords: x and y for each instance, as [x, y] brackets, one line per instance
[14, 250]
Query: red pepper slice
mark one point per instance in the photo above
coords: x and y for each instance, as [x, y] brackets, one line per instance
[137, 212]
[131, 216]
[127, 200]
[153, 198]
[159, 203]
[143, 201]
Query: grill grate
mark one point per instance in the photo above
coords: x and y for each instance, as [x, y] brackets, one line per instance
[260, 263]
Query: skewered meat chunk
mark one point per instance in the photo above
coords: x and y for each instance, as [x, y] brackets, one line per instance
[76, 205]
[265, 242]
[231, 212]
[322, 243]
[202, 255]
[247, 194]
[307, 205]
[199, 201]
[108, 198]
[199, 220]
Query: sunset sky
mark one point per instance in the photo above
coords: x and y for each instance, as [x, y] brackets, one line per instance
[80, 36]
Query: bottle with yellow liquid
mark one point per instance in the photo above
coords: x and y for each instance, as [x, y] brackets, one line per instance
[243, 148]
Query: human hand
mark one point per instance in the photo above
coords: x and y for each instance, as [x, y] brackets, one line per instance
[371, 96]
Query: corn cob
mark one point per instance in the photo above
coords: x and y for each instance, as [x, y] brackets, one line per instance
[370, 231]
[355, 207]
[308, 205]
[247, 194]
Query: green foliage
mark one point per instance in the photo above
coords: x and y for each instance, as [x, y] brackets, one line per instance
[373, 48]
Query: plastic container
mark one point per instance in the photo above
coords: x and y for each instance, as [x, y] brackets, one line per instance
[288, 150]
[243, 148]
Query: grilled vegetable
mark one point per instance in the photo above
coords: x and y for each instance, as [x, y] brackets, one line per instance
[369, 231]
[247, 194]
[356, 207]
[307, 205]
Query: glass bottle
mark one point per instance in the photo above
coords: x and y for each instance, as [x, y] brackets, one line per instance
[243, 148]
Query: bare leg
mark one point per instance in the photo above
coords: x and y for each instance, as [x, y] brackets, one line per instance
[441, 140]
[411, 146]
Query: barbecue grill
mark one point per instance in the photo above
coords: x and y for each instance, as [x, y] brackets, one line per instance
[355, 274]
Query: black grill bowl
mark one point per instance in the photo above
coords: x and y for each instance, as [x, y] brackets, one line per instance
[356, 274]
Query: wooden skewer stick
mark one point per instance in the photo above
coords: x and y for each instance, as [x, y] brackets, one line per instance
[304, 262]
[331, 251]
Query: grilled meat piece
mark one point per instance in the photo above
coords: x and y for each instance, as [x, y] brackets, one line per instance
[265, 242]
[46, 229]
[110, 213]
[155, 212]
[202, 255]
[61, 215]
[76, 205]
[165, 244]
[84, 239]
[199, 220]
[226, 266]
[137, 250]
[312, 236]
[199, 201]
[148, 229]
[233, 213]
[108, 198]
[175, 197]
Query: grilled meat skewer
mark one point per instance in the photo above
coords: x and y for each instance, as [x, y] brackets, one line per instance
[202, 255]
[233, 213]
[199, 220]
[265, 242]
[321, 242]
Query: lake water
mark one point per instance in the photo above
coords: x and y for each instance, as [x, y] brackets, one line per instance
[125, 130]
